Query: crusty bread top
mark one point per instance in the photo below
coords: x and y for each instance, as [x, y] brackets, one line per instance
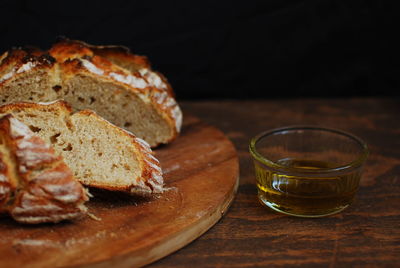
[118, 55]
[41, 188]
[149, 179]
[20, 60]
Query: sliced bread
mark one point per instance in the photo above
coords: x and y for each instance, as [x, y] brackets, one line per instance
[36, 185]
[99, 153]
[118, 85]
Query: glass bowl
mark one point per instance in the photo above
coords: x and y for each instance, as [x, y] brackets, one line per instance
[307, 171]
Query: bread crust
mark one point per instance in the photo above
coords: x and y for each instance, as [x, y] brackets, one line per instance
[149, 181]
[44, 188]
[65, 47]
[7, 186]
[19, 60]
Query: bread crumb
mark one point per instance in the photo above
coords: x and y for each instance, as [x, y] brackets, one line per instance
[93, 217]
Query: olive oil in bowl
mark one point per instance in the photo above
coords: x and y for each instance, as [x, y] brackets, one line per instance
[305, 193]
[307, 171]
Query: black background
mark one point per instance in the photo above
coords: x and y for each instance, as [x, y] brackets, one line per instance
[232, 49]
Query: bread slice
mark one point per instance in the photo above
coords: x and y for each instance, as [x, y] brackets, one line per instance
[99, 153]
[35, 184]
[118, 85]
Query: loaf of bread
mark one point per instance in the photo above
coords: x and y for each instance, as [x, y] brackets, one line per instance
[99, 153]
[117, 85]
[36, 185]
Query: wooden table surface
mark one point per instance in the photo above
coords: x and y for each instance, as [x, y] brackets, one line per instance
[367, 234]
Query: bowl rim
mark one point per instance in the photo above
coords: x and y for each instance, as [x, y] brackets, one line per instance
[321, 171]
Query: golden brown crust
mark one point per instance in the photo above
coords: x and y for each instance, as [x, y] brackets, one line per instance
[19, 60]
[119, 54]
[151, 170]
[23, 55]
[11, 57]
[65, 50]
[46, 190]
[51, 196]
[7, 187]
[122, 57]
[66, 47]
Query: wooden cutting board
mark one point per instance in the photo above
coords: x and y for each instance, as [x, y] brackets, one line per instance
[201, 173]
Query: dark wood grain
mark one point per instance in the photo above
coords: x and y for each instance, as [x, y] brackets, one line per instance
[201, 173]
[367, 234]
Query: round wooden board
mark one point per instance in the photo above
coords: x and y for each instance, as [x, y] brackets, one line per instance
[201, 172]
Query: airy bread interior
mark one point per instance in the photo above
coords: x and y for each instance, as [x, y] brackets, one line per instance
[98, 153]
[30, 86]
[116, 105]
